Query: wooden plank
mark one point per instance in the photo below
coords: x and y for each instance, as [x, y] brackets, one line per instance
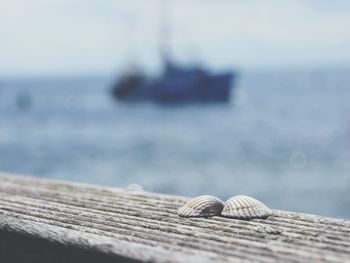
[52, 221]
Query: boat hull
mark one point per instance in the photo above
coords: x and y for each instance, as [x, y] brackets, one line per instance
[176, 85]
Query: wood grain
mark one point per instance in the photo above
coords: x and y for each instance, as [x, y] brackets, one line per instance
[53, 221]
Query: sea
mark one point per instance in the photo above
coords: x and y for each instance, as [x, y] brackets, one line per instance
[284, 138]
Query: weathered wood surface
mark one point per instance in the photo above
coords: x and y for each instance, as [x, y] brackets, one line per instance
[51, 221]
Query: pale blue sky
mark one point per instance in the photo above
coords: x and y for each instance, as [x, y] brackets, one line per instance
[54, 37]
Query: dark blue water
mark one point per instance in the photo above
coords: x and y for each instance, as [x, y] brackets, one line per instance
[284, 139]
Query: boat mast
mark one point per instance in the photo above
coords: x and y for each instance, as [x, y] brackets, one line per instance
[164, 33]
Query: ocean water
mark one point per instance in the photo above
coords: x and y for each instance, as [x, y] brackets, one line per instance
[284, 138]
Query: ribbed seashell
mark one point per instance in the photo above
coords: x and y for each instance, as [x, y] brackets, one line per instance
[202, 206]
[245, 207]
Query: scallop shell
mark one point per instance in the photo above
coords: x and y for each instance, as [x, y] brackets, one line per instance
[245, 207]
[202, 206]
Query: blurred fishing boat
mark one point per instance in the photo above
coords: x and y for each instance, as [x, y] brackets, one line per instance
[175, 83]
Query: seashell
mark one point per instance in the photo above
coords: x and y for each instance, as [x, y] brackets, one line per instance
[202, 206]
[245, 207]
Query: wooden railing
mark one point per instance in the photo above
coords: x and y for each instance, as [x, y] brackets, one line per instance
[52, 221]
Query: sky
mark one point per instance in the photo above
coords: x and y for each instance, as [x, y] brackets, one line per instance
[67, 37]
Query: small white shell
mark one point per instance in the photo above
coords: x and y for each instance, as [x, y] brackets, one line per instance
[202, 206]
[245, 207]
